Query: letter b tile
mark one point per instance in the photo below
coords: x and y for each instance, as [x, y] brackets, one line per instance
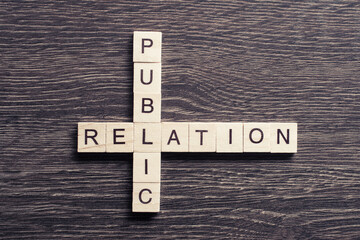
[147, 107]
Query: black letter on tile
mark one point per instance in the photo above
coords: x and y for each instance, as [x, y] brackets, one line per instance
[287, 139]
[143, 44]
[118, 136]
[143, 138]
[173, 136]
[150, 105]
[250, 135]
[201, 135]
[146, 166]
[92, 137]
[140, 194]
[230, 136]
[142, 77]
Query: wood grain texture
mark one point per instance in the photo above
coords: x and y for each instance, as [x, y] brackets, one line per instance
[62, 62]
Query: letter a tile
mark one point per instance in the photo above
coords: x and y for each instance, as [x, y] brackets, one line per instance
[175, 137]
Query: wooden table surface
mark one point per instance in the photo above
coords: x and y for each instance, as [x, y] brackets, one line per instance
[62, 62]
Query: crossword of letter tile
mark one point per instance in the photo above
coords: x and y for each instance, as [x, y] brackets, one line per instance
[147, 137]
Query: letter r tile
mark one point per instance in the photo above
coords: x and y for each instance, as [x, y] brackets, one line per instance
[91, 137]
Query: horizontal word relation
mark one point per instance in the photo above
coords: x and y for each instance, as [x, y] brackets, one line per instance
[187, 137]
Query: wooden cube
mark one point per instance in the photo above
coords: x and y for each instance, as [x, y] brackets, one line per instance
[147, 46]
[147, 77]
[229, 137]
[119, 137]
[283, 137]
[147, 167]
[146, 197]
[91, 137]
[256, 137]
[147, 107]
[202, 137]
[175, 137]
[147, 137]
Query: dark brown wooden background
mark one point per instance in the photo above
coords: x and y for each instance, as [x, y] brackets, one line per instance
[62, 62]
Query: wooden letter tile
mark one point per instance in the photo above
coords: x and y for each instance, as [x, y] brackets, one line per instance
[147, 77]
[147, 167]
[202, 137]
[229, 137]
[119, 137]
[175, 137]
[147, 46]
[147, 107]
[283, 137]
[147, 137]
[91, 137]
[146, 197]
[256, 137]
